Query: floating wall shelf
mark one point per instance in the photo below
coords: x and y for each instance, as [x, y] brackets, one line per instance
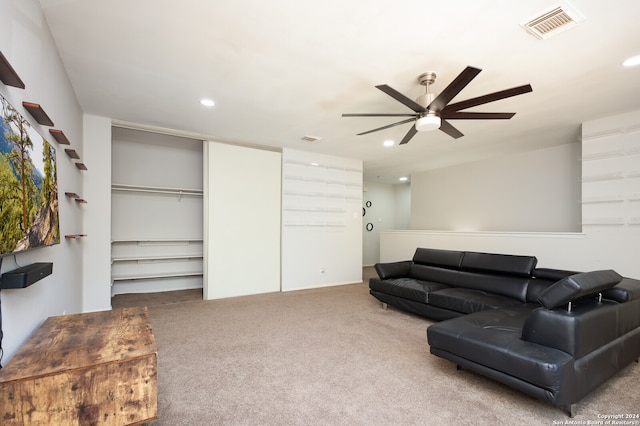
[74, 236]
[38, 113]
[72, 153]
[59, 136]
[8, 75]
[75, 197]
[81, 166]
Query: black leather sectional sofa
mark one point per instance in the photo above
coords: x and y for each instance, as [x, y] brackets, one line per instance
[554, 334]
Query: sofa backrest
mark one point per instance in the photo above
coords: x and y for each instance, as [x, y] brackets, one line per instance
[505, 285]
[491, 263]
[433, 273]
[627, 289]
[578, 286]
[441, 258]
[436, 265]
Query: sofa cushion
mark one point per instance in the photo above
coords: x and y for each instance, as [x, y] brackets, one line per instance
[492, 338]
[498, 263]
[576, 286]
[467, 301]
[407, 288]
[435, 257]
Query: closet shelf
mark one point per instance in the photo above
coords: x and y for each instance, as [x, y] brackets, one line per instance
[155, 276]
[152, 258]
[157, 189]
[157, 240]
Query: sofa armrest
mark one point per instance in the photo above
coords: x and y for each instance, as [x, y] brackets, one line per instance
[589, 326]
[393, 269]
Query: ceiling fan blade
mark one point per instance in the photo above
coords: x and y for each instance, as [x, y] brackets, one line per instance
[450, 92]
[491, 97]
[446, 127]
[411, 133]
[401, 98]
[388, 126]
[456, 115]
[378, 115]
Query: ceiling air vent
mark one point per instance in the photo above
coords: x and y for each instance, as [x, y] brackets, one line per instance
[553, 22]
[308, 138]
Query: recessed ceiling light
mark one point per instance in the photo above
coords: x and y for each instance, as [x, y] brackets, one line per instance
[388, 143]
[315, 164]
[207, 102]
[403, 179]
[632, 61]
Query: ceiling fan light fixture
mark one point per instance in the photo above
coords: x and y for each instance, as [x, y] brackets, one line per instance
[428, 123]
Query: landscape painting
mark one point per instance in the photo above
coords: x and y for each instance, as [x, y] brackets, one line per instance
[28, 186]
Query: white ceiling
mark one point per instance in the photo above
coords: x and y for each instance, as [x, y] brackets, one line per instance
[282, 69]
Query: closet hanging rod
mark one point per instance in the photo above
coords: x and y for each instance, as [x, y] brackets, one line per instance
[156, 189]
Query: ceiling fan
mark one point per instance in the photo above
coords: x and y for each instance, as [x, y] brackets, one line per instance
[432, 113]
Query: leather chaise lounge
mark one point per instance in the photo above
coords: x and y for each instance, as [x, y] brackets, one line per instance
[554, 334]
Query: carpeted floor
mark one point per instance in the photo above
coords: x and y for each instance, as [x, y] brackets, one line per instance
[333, 356]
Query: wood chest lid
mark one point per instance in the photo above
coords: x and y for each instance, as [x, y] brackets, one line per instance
[71, 342]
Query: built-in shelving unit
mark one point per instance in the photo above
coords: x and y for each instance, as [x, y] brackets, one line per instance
[155, 259]
[317, 195]
[610, 178]
[157, 237]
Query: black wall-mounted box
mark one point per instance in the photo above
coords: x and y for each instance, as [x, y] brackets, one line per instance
[25, 276]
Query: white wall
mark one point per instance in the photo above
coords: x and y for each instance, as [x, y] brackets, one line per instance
[26, 42]
[96, 289]
[241, 220]
[537, 191]
[321, 220]
[608, 241]
[390, 209]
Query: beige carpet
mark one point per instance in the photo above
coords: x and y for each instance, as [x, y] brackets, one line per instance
[333, 356]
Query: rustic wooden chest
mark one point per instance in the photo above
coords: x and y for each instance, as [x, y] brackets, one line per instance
[93, 368]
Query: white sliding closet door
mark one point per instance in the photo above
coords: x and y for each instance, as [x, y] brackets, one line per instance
[241, 220]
